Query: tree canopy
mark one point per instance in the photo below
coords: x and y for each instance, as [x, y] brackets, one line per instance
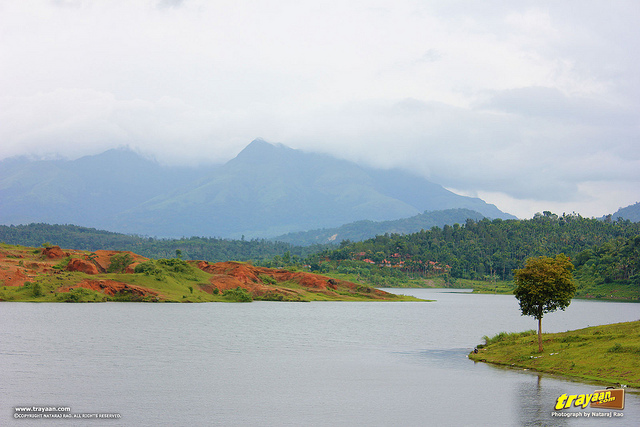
[544, 285]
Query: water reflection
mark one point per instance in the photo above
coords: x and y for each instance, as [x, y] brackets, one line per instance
[539, 402]
[445, 358]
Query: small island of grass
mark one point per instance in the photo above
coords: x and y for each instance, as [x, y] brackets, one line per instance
[606, 354]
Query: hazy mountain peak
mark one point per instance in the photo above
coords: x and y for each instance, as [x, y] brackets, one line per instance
[260, 145]
[115, 156]
[260, 150]
[266, 190]
[631, 212]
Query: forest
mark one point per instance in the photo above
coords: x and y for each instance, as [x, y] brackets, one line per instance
[201, 248]
[605, 252]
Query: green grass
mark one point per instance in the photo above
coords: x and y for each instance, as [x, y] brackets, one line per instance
[607, 354]
[506, 337]
[609, 291]
[498, 287]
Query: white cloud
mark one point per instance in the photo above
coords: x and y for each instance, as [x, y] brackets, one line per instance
[528, 103]
[597, 200]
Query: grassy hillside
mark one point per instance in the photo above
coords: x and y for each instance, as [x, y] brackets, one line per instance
[605, 354]
[55, 275]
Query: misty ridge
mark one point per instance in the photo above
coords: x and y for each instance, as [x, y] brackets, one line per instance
[267, 190]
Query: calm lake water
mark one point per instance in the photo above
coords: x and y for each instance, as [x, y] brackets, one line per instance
[275, 364]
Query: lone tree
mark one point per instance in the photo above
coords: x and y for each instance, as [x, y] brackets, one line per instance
[544, 285]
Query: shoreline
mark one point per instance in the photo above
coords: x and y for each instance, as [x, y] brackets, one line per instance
[606, 354]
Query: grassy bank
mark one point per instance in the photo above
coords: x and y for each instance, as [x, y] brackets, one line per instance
[500, 287]
[606, 354]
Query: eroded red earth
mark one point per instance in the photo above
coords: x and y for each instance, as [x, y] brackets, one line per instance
[20, 265]
[261, 280]
[110, 287]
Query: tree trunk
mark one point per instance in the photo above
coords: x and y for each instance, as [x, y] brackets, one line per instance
[540, 334]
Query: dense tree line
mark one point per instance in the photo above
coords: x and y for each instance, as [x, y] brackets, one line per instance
[615, 261]
[603, 251]
[202, 248]
[487, 249]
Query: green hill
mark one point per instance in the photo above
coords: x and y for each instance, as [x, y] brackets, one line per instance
[606, 254]
[632, 213]
[361, 230]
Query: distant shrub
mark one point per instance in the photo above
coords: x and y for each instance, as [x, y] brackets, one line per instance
[119, 263]
[573, 338]
[129, 296]
[149, 268]
[62, 264]
[175, 265]
[507, 336]
[74, 295]
[272, 296]
[268, 279]
[363, 289]
[238, 294]
[617, 348]
[36, 290]
[159, 267]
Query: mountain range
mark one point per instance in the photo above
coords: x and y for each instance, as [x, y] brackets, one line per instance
[366, 229]
[265, 191]
[631, 212]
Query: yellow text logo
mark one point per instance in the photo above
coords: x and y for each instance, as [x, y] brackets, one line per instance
[601, 399]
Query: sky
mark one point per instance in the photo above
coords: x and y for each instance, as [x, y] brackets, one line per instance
[529, 105]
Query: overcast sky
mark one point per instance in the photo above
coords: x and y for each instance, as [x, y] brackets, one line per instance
[530, 105]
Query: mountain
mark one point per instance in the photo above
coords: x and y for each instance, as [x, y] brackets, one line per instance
[632, 213]
[365, 229]
[88, 191]
[266, 190]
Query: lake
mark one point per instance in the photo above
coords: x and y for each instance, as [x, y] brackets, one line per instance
[275, 364]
